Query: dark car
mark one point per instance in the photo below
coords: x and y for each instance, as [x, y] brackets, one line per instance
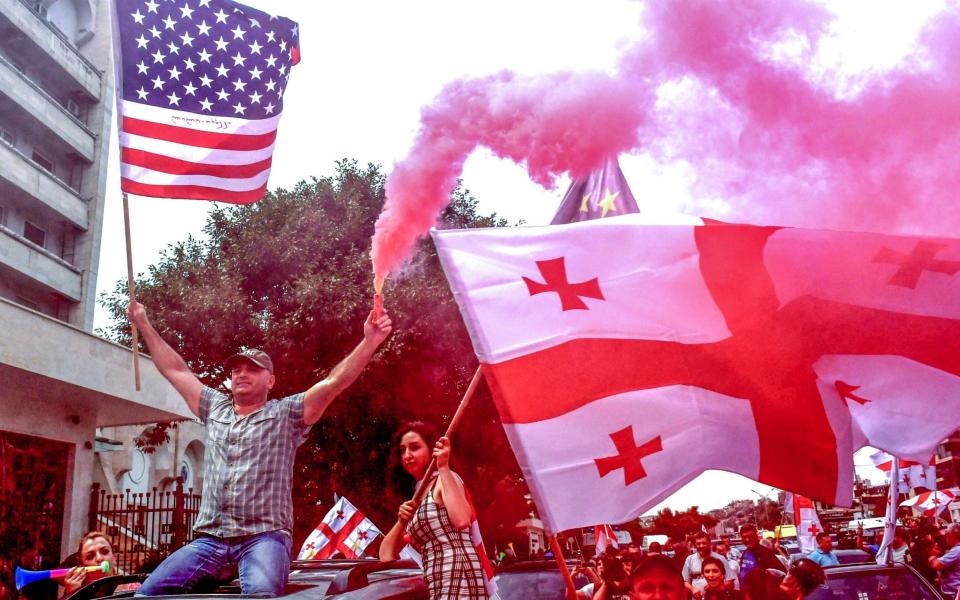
[533, 580]
[309, 580]
[850, 556]
[874, 582]
[846, 556]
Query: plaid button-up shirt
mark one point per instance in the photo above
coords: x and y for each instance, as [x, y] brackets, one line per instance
[248, 465]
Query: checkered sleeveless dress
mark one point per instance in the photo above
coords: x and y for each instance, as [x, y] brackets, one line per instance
[450, 563]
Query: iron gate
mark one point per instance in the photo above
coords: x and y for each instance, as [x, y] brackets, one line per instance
[144, 528]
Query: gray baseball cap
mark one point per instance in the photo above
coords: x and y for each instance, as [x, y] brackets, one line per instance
[257, 357]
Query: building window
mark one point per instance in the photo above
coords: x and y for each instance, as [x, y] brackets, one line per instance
[3, 216]
[43, 161]
[7, 136]
[76, 175]
[34, 233]
[28, 303]
[69, 245]
[73, 107]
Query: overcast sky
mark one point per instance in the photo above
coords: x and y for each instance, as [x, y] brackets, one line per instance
[368, 66]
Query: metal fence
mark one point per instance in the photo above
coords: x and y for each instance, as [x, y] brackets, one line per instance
[144, 527]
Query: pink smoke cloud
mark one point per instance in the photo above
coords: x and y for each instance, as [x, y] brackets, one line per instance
[778, 147]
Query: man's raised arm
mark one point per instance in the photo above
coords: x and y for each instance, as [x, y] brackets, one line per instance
[318, 398]
[168, 362]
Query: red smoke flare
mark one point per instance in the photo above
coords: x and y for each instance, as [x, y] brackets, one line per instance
[774, 145]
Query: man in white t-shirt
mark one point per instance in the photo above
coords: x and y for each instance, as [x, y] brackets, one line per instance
[693, 566]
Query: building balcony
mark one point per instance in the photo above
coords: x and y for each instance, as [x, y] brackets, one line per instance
[44, 362]
[36, 105]
[19, 20]
[30, 178]
[40, 265]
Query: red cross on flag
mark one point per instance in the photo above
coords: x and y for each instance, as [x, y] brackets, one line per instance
[806, 520]
[344, 530]
[931, 504]
[913, 474]
[626, 358]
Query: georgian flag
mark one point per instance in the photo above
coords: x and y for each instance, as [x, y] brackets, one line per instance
[627, 358]
[806, 520]
[344, 530]
[931, 504]
[885, 552]
[913, 474]
[604, 537]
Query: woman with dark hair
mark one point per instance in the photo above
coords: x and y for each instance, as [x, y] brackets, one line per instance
[714, 571]
[439, 529]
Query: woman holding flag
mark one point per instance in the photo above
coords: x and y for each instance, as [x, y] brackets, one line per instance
[440, 528]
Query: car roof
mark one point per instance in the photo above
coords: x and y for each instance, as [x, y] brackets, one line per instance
[862, 567]
[332, 577]
[531, 565]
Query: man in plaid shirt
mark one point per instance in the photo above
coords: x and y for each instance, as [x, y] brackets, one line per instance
[246, 514]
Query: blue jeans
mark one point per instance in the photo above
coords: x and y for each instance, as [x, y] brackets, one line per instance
[263, 561]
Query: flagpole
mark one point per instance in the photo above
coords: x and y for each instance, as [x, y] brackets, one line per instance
[131, 292]
[885, 553]
[451, 428]
[562, 563]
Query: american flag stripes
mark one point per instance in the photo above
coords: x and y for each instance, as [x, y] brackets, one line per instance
[200, 91]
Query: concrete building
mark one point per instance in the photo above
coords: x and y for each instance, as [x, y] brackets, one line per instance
[535, 535]
[59, 383]
[56, 106]
[948, 471]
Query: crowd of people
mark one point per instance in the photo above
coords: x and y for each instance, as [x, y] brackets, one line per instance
[701, 569]
[932, 551]
[710, 571]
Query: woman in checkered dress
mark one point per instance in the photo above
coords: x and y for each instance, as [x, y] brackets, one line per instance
[439, 529]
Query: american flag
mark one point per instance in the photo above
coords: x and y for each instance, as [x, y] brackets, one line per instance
[201, 87]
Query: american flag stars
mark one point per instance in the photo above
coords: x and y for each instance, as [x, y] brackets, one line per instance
[208, 57]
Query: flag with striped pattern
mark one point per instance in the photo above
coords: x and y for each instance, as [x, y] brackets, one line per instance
[200, 87]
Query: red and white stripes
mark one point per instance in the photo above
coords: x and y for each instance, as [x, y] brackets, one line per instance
[174, 154]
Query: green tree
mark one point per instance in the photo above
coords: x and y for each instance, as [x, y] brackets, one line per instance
[291, 275]
[679, 525]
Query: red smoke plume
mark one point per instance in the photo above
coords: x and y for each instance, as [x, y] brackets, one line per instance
[776, 146]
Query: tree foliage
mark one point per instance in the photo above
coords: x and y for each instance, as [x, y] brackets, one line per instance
[679, 525]
[291, 275]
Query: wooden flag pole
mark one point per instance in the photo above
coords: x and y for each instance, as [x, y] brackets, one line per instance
[562, 563]
[452, 427]
[131, 291]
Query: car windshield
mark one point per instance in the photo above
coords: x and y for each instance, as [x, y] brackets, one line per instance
[531, 585]
[873, 585]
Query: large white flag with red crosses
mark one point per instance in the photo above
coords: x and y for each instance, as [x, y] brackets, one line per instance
[931, 504]
[625, 359]
[913, 473]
